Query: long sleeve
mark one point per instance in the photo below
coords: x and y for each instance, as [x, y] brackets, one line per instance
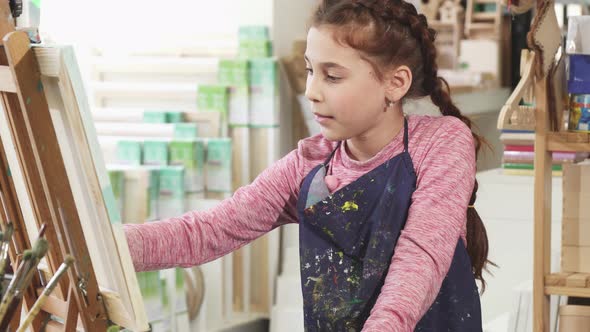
[436, 221]
[201, 236]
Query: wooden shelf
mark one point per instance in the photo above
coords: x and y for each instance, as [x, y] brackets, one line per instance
[568, 141]
[484, 16]
[568, 284]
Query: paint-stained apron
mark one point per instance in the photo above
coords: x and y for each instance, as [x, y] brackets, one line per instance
[347, 240]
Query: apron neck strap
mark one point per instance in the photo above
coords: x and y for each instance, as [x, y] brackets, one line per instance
[406, 134]
[327, 162]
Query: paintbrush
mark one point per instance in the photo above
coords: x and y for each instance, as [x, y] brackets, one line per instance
[21, 281]
[4, 246]
[46, 292]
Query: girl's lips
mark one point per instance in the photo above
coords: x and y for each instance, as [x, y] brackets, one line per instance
[322, 119]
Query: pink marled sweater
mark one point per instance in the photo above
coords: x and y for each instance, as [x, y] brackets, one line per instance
[442, 150]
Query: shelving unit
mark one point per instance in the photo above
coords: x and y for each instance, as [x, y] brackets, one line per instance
[544, 78]
[549, 138]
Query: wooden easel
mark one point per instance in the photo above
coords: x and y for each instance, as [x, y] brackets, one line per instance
[77, 299]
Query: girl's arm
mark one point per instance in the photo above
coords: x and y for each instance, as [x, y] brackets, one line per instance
[198, 237]
[436, 219]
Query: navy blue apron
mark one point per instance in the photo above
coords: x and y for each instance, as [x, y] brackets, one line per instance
[347, 240]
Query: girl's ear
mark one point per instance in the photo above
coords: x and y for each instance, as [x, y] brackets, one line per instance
[397, 83]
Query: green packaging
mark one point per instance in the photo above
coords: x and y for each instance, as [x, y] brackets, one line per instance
[129, 152]
[264, 92]
[235, 74]
[191, 155]
[171, 195]
[155, 153]
[218, 165]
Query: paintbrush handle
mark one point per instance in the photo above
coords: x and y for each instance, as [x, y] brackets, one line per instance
[11, 309]
[46, 292]
[33, 313]
[13, 286]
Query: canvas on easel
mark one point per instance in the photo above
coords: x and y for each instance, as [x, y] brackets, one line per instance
[60, 179]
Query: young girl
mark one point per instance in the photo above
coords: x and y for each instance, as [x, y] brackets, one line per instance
[389, 238]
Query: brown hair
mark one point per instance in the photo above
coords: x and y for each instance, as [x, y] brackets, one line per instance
[392, 33]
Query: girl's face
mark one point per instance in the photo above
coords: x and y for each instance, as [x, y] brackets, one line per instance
[347, 98]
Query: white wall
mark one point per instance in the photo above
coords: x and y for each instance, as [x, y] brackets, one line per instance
[290, 23]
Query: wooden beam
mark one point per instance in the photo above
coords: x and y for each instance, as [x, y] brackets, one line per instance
[542, 211]
[6, 81]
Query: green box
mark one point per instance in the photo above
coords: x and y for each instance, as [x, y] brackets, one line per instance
[171, 192]
[218, 165]
[163, 117]
[191, 155]
[186, 131]
[215, 98]
[155, 117]
[155, 153]
[253, 32]
[129, 152]
[212, 98]
[264, 92]
[174, 117]
[235, 74]
[153, 192]
[252, 48]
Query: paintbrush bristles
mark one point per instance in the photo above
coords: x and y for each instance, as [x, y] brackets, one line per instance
[40, 248]
[69, 260]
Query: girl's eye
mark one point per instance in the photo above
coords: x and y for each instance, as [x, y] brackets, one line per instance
[331, 78]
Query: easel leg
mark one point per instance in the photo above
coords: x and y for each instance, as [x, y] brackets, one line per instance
[72, 318]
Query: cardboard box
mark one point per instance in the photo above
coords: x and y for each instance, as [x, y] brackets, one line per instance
[234, 74]
[576, 178]
[264, 92]
[575, 232]
[574, 318]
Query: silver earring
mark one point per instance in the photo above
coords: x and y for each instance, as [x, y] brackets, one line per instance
[390, 104]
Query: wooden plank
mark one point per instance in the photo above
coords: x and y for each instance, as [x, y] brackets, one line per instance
[567, 147]
[577, 280]
[6, 81]
[556, 279]
[564, 291]
[542, 211]
[574, 137]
